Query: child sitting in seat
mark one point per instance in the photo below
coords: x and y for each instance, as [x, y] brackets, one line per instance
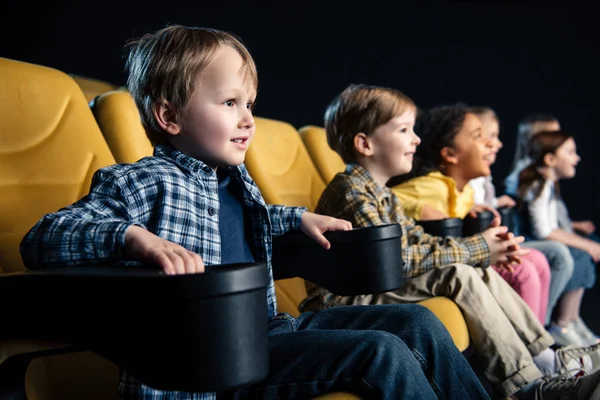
[193, 204]
[455, 150]
[554, 157]
[372, 130]
[563, 285]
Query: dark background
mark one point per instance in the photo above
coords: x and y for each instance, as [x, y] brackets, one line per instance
[517, 57]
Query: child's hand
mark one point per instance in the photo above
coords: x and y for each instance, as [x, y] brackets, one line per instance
[479, 208]
[429, 213]
[506, 201]
[594, 251]
[145, 246]
[585, 227]
[504, 246]
[315, 224]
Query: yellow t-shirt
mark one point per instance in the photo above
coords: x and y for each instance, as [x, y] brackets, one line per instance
[436, 190]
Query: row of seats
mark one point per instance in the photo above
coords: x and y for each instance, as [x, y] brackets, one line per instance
[289, 167]
[51, 144]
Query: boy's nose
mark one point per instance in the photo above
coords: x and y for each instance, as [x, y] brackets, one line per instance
[247, 120]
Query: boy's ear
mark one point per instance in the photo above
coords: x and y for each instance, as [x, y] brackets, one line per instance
[363, 145]
[166, 117]
[449, 155]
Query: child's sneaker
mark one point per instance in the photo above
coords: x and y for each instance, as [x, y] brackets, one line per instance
[587, 336]
[564, 336]
[578, 358]
[567, 388]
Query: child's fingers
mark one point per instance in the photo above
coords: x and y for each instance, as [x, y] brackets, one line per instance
[320, 239]
[340, 225]
[165, 263]
[495, 223]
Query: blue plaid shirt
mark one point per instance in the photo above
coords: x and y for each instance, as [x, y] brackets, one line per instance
[172, 195]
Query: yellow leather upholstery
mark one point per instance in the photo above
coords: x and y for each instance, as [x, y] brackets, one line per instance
[49, 148]
[119, 120]
[279, 138]
[92, 87]
[281, 167]
[326, 160]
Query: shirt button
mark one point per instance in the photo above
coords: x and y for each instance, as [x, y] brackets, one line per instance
[211, 211]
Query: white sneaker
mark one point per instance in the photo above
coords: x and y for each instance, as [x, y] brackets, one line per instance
[565, 336]
[587, 336]
[573, 358]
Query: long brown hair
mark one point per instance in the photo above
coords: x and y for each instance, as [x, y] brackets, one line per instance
[540, 145]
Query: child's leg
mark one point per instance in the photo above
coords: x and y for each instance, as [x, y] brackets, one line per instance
[504, 331]
[561, 269]
[524, 279]
[542, 267]
[387, 352]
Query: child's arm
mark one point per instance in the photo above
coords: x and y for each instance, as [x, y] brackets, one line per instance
[420, 251]
[423, 251]
[90, 231]
[284, 219]
[575, 240]
[505, 201]
[584, 227]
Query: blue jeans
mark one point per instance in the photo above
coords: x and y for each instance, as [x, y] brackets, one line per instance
[376, 352]
[584, 274]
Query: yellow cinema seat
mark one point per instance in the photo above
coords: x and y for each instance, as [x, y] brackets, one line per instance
[92, 87]
[45, 116]
[327, 161]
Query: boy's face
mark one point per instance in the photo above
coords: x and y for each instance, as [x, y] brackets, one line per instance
[394, 145]
[217, 125]
[473, 152]
[491, 128]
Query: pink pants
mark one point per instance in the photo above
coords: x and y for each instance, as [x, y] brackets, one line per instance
[531, 280]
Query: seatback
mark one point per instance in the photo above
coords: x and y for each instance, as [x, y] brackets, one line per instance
[92, 87]
[50, 146]
[119, 120]
[281, 167]
[326, 160]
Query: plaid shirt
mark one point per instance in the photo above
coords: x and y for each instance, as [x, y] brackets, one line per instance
[172, 195]
[354, 196]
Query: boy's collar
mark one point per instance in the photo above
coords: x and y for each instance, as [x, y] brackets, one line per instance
[188, 163]
[358, 171]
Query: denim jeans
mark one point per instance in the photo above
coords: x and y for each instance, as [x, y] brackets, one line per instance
[382, 352]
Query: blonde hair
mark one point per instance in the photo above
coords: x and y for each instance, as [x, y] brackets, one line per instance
[166, 65]
[361, 108]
